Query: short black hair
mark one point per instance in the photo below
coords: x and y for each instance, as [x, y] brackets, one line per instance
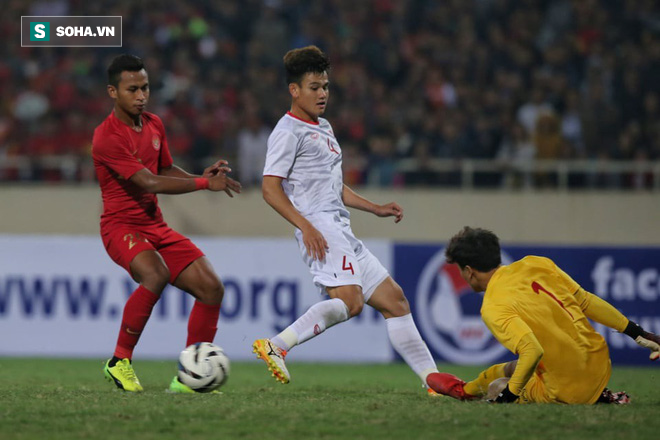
[123, 63]
[298, 62]
[474, 247]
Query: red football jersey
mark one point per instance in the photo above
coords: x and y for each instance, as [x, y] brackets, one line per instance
[119, 152]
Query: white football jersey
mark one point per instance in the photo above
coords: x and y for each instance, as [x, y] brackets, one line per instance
[308, 157]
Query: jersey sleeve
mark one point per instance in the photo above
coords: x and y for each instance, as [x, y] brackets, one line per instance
[281, 154]
[600, 310]
[113, 151]
[530, 353]
[505, 324]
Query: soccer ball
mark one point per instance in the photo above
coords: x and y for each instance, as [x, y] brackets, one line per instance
[203, 366]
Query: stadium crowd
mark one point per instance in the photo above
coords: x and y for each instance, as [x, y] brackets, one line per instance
[506, 80]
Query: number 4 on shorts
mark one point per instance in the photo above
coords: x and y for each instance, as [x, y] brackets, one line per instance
[347, 267]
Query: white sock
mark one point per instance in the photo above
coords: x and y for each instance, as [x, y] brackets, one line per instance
[313, 322]
[407, 341]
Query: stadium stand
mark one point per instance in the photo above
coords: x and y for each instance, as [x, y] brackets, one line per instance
[480, 93]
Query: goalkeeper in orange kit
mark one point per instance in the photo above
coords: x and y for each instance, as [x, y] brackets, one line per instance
[541, 314]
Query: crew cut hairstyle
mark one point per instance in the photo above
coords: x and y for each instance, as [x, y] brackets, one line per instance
[298, 62]
[474, 247]
[123, 63]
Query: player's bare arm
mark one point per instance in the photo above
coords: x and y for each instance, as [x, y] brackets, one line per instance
[176, 171]
[274, 195]
[354, 200]
[221, 166]
[163, 184]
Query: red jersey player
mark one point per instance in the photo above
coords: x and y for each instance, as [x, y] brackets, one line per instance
[133, 164]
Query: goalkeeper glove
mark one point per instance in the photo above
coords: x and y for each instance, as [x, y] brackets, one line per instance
[505, 396]
[645, 339]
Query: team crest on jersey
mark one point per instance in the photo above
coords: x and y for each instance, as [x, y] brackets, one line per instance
[448, 314]
[156, 143]
[314, 136]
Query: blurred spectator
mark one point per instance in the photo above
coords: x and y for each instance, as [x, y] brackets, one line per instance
[528, 114]
[548, 143]
[252, 146]
[354, 164]
[382, 167]
[571, 125]
[423, 80]
[516, 154]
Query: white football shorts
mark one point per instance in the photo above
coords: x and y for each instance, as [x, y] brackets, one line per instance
[347, 261]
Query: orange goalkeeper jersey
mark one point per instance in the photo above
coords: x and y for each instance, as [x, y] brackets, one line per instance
[533, 295]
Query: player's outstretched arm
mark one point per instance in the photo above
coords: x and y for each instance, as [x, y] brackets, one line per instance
[221, 166]
[604, 313]
[274, 195]
[164, 184]
[176, 171]
[354, 200]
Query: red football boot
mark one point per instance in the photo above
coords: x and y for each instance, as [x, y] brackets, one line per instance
[448, 385]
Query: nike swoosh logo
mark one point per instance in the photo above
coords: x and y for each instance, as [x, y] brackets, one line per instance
[131, 332]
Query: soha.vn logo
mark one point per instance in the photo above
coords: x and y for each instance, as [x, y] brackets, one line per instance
[448, 314]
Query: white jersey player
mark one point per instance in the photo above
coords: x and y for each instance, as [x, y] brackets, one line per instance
[303, 183]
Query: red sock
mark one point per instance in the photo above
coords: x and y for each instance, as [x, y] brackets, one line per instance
[136, 314]
[203, 323]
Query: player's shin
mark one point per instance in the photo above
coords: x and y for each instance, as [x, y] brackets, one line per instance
[407, 341]
[313, 322]
[479, 386]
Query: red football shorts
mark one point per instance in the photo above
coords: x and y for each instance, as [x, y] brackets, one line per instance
[123, 243]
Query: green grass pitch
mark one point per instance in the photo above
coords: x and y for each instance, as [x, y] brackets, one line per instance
[69, 399]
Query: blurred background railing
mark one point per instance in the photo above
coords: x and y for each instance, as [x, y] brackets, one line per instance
[466, 174]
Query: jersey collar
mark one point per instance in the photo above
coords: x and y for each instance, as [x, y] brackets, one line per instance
[300, 119]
